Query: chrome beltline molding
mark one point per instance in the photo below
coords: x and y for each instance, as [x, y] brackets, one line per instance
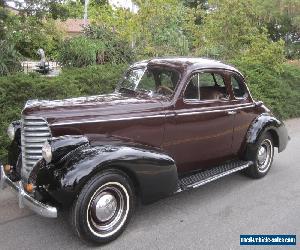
[227, 108]
[215, 110]
[106, 120]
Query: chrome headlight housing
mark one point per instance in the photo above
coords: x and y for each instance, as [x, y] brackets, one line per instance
[47, 152]
[11, 132]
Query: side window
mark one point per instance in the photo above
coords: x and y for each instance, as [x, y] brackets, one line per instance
[206, 86]
[238, 87]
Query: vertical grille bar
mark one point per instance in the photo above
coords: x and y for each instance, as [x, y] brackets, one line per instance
[35, 132]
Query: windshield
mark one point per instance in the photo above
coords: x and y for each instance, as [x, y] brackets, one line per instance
[153, 81]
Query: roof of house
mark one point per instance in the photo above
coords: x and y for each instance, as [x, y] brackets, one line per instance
[72, 25]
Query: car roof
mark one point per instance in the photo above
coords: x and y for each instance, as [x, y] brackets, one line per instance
[186, 62]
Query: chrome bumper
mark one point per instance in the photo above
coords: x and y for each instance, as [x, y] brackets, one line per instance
[25, 199]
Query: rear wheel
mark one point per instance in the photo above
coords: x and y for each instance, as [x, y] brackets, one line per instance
[104, 207]
[261, 156]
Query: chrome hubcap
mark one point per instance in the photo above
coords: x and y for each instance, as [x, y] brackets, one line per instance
[106, 207]
[264, 155]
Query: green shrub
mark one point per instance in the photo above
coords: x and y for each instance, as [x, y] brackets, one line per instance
[115, 49]
[79, 52]
[29, 34]
[280, 91]
[16, 89]
[98, 45]
[10, 59]
[292, 51]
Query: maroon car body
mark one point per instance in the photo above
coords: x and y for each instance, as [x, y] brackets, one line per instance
[157, 137]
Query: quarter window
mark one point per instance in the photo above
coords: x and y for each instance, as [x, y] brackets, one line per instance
[238, 87]
[206, 86]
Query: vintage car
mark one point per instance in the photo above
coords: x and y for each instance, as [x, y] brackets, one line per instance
[171, 125]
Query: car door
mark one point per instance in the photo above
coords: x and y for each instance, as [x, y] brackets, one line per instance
[199, 130]
[245, 110]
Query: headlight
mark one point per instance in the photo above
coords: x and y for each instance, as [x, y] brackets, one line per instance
[11, 131]
[47, 152]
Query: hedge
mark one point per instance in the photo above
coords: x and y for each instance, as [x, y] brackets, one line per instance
[281, 92]
[16, 89]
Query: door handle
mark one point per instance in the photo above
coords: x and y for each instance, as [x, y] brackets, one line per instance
[231, 112]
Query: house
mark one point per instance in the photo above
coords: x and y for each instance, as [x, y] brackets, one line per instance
[72, 27]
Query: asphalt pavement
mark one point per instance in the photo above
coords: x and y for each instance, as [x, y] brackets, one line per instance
[210, 217]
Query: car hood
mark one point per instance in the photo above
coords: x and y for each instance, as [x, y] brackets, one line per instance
[89, 109]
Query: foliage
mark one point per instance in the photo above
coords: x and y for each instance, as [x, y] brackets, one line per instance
[43, 8]
[279, 91]
[282, 21]
[29, 34]
[197, 6]
[76, 7]
[281, 17]
[98, 45]
[262, 55]
[79, 52]
[161, 28]
[115, 48]
[230, 28]
[9, 59]
[158, 28]
[4, 16]
[292, 51]
[16, 89]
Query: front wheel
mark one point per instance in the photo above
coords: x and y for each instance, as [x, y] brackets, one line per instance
[104, 207]
[261, 156]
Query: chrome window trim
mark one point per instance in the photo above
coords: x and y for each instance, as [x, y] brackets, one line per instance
[199, 101]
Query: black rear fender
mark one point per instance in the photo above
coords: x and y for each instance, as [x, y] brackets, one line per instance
[267, 123]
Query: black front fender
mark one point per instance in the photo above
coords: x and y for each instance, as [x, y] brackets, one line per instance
[153, 172]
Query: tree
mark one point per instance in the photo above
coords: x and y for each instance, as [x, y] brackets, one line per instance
[197, 6]
[4, 16]
[281, 18]
[160, 28]
[232, 28]
[28, 34]
[43, 8]
[10, 59]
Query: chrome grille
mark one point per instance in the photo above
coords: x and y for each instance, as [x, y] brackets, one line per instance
[35, 131]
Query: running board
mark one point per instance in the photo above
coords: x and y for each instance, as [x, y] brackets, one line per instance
[198, 179]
